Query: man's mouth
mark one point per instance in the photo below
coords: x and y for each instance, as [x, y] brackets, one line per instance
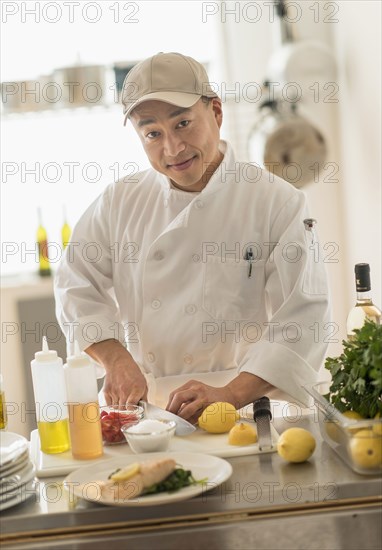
[179, 166]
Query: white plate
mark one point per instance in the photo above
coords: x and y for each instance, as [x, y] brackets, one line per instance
[11, 447]
[23, 493]
[15, 465]
[215, 470]
[10, 483]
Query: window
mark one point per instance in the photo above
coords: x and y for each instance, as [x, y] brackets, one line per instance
[66, 157]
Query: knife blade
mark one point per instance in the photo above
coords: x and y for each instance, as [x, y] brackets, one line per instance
[262, 416]
[182, 426]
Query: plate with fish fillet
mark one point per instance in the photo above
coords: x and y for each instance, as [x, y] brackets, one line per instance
[148, 479]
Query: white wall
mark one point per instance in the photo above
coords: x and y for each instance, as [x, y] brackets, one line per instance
[358, 48]
[347, 205]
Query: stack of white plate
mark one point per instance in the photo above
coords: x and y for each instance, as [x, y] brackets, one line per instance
[17, 472]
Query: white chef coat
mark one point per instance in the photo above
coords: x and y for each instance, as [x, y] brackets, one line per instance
[165, 271]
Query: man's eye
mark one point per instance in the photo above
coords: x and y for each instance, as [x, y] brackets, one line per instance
[152, 135]
[184, 123]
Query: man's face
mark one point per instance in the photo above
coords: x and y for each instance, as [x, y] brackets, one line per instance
[181, 143]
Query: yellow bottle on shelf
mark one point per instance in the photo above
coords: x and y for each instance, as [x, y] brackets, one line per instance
[42, 241]
[65, 231]
[3, 408]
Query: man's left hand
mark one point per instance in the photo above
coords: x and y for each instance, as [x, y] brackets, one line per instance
[190, 400]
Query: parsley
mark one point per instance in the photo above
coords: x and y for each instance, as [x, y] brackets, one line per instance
[178, 479]
[357, 373]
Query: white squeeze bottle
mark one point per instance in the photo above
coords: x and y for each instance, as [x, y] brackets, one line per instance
[84, 413]
[50, 398]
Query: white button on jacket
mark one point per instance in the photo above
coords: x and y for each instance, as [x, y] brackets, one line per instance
[245, 222]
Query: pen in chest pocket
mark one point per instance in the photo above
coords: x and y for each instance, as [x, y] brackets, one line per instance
[309, 224]
[249, 258]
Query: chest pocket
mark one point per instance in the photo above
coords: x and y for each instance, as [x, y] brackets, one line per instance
[315, 278]
[228, 293]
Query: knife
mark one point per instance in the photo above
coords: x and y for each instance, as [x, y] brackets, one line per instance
[262, 416]
[182, 426]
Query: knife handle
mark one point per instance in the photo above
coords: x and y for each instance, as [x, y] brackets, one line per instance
[262, 407]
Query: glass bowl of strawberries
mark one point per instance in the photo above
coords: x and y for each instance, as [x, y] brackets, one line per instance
[112, 420]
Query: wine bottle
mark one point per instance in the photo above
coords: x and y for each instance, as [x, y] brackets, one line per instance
[65, 231]
[364, 307]
[42, 241]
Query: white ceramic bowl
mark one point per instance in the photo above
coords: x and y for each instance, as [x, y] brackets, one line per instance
[152, 439]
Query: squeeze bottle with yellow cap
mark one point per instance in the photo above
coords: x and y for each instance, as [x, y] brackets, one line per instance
[84, 413]
[50, 398]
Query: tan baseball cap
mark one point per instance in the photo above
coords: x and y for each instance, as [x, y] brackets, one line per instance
[170, 77]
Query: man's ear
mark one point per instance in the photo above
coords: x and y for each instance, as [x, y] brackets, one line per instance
[217, 109]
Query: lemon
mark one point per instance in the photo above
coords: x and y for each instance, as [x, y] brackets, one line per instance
[242, 434]
[366, 449]
[126, 473]
[296, 445]
[353, 415]
[218, 418]
[333, 430]
[377, 428]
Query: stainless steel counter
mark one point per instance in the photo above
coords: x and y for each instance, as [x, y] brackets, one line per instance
[267, 503]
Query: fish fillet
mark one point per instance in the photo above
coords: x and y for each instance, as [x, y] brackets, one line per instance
[151, 472]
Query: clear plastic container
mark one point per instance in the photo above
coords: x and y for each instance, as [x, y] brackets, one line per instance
[84, 411]
[51, 402]
[357, 442]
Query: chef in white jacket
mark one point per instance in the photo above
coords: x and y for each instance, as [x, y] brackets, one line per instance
[201, 266]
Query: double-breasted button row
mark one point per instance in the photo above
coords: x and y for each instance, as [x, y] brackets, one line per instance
[191, 309]
[187, 358]
[159, 255]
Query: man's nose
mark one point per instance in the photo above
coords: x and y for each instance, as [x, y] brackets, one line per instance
[173, 144]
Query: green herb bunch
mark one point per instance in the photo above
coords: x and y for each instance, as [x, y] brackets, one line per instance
[357, 373]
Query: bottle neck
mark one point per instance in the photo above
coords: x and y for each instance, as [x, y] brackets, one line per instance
[364, 298]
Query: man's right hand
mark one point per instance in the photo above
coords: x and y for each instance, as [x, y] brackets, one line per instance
[124, 381]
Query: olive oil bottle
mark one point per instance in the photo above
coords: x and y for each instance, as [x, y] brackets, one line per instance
[3, 407]
[65, 231]
[51, 402]
[42, 242]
